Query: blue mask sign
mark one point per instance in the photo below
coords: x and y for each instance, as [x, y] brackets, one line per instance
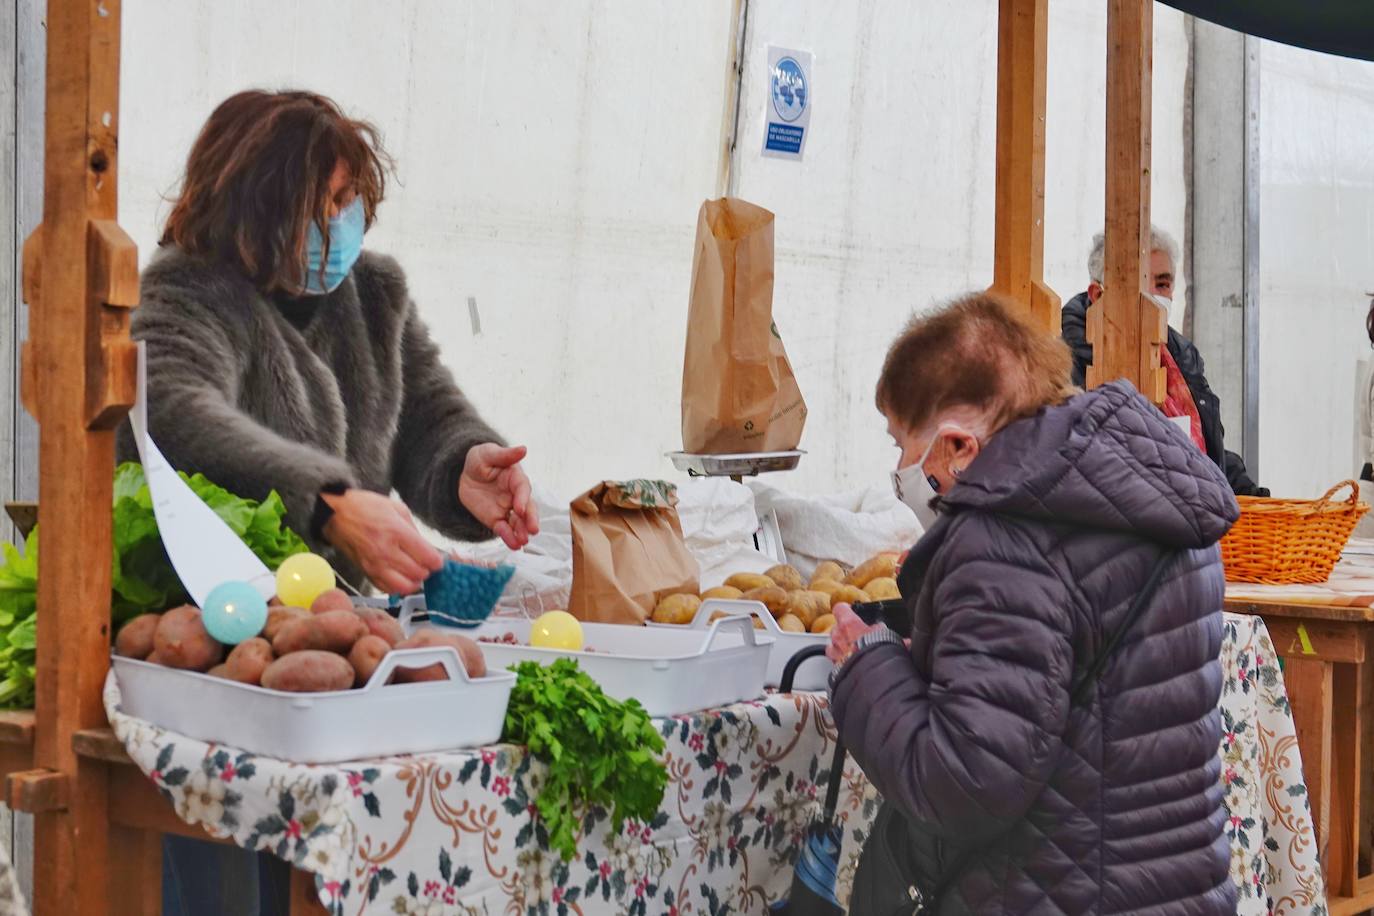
[345, 244]
[789, 103]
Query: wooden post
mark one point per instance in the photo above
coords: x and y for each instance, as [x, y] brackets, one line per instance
[1126, 326]
[78, 378]
[1019, 236]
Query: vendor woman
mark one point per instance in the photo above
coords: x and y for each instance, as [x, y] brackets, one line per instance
[282, 356]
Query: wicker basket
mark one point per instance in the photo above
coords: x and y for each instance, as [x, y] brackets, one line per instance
[1288, 541]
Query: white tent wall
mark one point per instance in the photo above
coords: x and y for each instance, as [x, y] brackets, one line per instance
[892, 209]
[552, 158]
[1316, 265]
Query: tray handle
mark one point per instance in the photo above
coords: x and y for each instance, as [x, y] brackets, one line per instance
[741, 622]
[734, 607]
[418, 658]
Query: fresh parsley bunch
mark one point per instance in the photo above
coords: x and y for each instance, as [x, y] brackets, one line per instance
[600, 752]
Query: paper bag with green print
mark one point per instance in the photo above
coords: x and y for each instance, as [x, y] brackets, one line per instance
[739, 394]
[628, 551]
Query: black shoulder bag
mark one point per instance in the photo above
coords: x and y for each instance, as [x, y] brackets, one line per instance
[885, 883]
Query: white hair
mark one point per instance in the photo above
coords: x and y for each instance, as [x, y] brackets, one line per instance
[1159, 241]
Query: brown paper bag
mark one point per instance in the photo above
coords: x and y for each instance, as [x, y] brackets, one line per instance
[738, 390]
[628, 551]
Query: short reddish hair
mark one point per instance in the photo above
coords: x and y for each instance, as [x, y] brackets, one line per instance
[976, 352]
[258, 175]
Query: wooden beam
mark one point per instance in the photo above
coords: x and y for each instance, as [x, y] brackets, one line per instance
[1310, 692]
[136, 870]
[1018, 270]
[1126, 326]
[74, 353]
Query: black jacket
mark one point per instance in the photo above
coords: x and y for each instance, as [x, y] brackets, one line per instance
[1073, 325]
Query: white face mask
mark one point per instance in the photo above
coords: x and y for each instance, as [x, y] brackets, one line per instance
[914, 487]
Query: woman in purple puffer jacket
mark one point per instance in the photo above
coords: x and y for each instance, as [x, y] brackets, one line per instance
[1051, 508]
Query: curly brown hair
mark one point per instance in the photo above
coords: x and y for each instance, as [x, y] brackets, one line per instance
[259, 174]
[978, 352]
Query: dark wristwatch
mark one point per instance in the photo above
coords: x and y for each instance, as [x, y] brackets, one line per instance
[323, 512]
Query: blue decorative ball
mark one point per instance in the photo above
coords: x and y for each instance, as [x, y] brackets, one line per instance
[234, 612]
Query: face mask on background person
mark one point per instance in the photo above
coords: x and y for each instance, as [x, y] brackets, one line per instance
[345, 244]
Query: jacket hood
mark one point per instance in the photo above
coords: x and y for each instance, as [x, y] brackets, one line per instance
[1105, 459]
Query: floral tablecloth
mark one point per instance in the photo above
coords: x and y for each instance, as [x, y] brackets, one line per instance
[1273, 847]
[449, 834]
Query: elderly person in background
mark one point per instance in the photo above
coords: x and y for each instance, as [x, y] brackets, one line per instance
[1188, 392]
[1047, 743]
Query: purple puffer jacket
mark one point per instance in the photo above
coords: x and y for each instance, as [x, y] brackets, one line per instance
[1115, 805]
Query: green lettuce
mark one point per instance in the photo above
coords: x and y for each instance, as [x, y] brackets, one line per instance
[143, 578]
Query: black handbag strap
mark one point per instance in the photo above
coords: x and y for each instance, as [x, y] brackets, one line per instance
[1078, 693]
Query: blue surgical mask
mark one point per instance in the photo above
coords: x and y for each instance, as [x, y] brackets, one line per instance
[345, 244]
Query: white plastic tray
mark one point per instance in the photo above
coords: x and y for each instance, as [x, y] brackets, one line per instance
[811, 675]
[669, 672]
[376, 720]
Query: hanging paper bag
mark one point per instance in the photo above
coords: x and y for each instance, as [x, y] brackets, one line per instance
[739, 394]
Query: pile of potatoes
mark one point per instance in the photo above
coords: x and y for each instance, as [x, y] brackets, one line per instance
[331, 646]
[797, 606]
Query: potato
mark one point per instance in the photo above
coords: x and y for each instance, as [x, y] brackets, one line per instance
[848, 594]
[807, 605]
[473, 660]
[309, 671]
[367, 654]
[772, 597]
[791, 623]
[248, 660]
[747, 581]
[883, 566]
[785, 576]
[336, 599]
[278, 617]
[725, 592]
[156, 659]
[220, 670]
[823, 624]
[380, 623]
[676, 609]
[828, 570]
[828, 586]
[332, 631]
[181, 641]
[717, 615]
[883, 588]
[135, 638]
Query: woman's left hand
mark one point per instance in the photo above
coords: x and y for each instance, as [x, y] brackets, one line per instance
[497, 493]
[848, 627]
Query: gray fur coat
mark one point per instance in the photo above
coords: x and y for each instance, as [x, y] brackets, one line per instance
[357, 397]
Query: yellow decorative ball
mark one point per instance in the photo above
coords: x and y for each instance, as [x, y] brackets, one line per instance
[557, 630]
[303, 578]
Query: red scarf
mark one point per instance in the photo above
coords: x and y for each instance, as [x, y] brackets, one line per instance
[1178, 399]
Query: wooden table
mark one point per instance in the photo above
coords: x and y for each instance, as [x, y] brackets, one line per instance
[1323, 635]
[138, 818]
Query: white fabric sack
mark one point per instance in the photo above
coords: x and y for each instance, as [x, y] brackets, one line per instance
[847, 527]
[718, 523]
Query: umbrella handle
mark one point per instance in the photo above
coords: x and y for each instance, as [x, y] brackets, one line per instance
[789, 671]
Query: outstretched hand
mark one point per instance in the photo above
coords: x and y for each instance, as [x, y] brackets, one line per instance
[497, 493]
